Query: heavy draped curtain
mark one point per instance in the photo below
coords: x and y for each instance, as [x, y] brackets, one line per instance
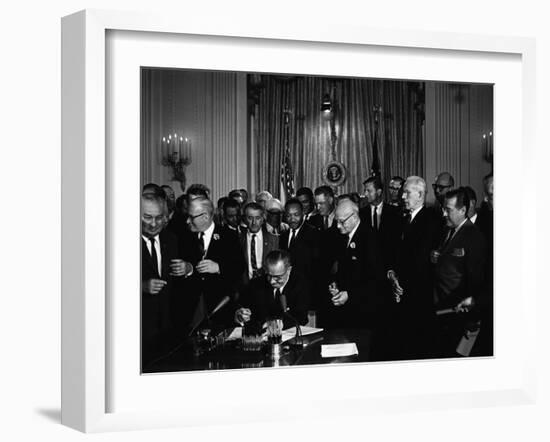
[399, 135]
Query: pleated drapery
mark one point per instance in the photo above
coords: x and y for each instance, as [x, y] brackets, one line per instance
[399, 136]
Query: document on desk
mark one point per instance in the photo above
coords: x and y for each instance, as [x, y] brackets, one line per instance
[287, 334]
[339, 350]
[290, 333]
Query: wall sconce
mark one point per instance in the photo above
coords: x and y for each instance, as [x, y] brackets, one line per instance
[326, 106]
[328, 111]
[487, 145]
[176, 153]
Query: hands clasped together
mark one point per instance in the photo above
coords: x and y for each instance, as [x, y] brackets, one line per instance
[180, 268]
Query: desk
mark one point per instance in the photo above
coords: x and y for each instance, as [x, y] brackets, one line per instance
[229, 356]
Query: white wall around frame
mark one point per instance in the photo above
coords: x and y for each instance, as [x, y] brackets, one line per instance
[132, 392]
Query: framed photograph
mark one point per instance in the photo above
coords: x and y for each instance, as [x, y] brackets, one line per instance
[105, 166]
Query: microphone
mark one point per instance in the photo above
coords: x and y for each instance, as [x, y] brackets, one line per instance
[224, 301]
[219, 306]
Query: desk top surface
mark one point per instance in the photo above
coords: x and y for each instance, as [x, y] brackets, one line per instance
[230, 356]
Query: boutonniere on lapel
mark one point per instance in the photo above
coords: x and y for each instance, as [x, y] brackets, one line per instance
[215, 237]
[352, 245]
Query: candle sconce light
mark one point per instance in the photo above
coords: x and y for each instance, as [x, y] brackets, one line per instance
[176, 153]
[487, 145]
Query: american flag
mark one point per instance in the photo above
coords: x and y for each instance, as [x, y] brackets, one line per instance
[287, 177]
[375, 169]
[287, 180]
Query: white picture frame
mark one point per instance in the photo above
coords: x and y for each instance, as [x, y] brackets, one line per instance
[86, 215]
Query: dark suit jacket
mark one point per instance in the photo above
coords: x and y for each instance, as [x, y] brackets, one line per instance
[260, 300]
[317, 222]
[270, 243]
[460, 269]
[384, 240]
[412, 262]
[224, 249]
[155, 309]
[355, 274]
[304, 250]
[177, 224]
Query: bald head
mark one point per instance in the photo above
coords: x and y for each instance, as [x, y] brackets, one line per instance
[346, 216]
[442, 184]
[200, 214]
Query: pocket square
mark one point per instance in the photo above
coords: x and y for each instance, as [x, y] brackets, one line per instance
[458, 252]
[354, 258]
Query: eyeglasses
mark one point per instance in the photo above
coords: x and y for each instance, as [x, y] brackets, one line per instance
[192, 218]
[276, 277]
[342, 221]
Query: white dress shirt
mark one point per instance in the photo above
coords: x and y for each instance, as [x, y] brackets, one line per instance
[295, 234]
[415, 212]
[378, 211]
[207, 238]
[157, 249]
[259, 250]
[350, 234]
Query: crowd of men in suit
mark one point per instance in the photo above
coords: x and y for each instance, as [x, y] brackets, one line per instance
[418, 278]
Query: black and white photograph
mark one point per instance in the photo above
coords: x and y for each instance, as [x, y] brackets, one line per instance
[292, 220]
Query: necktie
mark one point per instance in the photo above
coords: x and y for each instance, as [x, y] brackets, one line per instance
[409, 217]
[154, 257]
[374, 219]
[325, 222]
[253, 260]
[449, 237]
[277, 294]
[202, 249]
[292, 238]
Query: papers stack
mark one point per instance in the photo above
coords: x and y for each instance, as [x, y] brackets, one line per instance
[339, 350]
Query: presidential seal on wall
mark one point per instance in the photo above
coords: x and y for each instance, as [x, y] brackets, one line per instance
[334, 173]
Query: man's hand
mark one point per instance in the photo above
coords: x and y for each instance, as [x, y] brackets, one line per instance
[208, 266]
[153, 286]
[465, 305]
[178, 267]
[242, 315]
[333, 289]
[340, 298]
[397, 290]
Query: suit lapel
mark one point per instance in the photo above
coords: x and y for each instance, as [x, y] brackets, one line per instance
[265, 245]
[213, 246]
[163, 256]
[283, 241]
[456, 238]
[145, 253]
[244, 246]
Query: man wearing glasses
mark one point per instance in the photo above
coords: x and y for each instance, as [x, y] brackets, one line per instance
[282, 293]
[353, 296]
[217, 264]
[442, 184]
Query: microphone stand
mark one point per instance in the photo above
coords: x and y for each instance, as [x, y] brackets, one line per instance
[298, 336]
